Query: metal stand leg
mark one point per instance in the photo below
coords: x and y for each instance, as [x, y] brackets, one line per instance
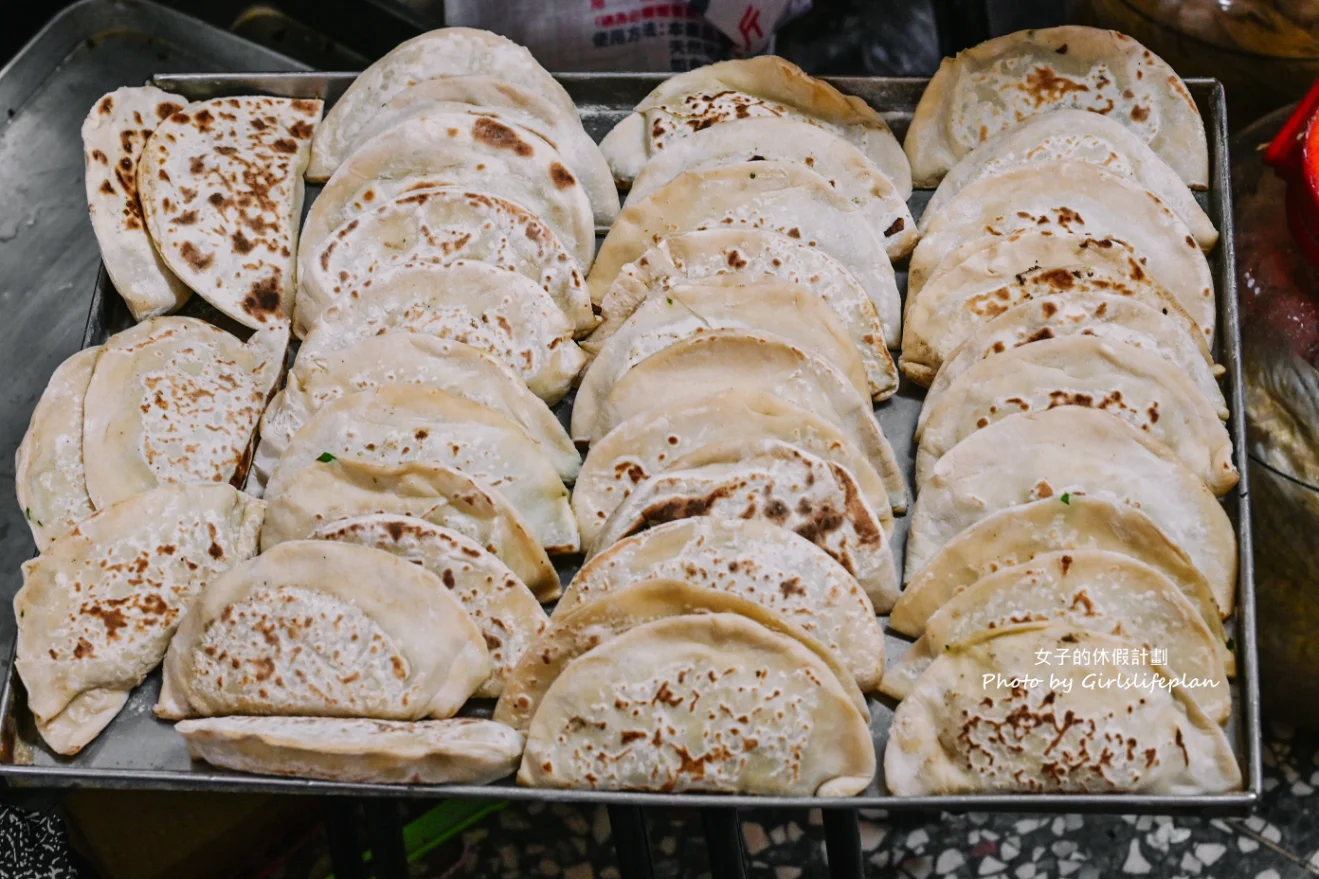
[345, 844]
[384, 833]
[627, 829]
[842, 844]
[723, 840]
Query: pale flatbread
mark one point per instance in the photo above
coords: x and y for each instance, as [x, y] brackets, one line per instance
[440, 226]
[764, 86]
[479, 304]
[1079, 199]
[113, 135]
[97, 609]
[1119, 319]
[478, 93]
[733, 360]
[176, 399]
[49, 477]
[1107, 592]
[344, 489]
[802, 735]
[990, 274]
[402, 423]
[741, 256]
[481, 152]
[776, 482]
[324, 629]
[998, 83]
[651, 441]
[500, 604]
[220, 183]
[773, 196]
[845, 167]
[1063, 452]
[772, 308]
[402, 358]
[1076, 136]
[573, 634]
[948, 736]
[756, 560]
[453, 51]
[460, 750]
[1138, 386]
[1015, 535]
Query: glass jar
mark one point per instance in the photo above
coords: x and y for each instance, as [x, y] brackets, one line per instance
[1278, 287]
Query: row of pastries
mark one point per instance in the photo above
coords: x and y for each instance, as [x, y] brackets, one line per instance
[335, 563]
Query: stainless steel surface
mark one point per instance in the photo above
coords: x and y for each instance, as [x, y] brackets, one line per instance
[48, 254]
[139, 751]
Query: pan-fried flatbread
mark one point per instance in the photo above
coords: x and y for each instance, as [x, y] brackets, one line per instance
[651, 441]
[1117, 319]
[757, 561]
[733, 360]
[723, 360]
[1138, 386]
[440, 226]
[324, 629]
[951, 735]
[113, 135]
[220, 183]
[847, 169]
[407, 358]
[989, 87]
[98, 607]
[481, 153]
[774, 196]
[460, 750]
[396, 424]
[175, 399]
[453, 51]
[990, 274]
[1076, 136]
[764, 86]
[743, 256]
[572, 634]
[344, 489]
[1080, 199]
[776, 482]
[1015, 535]
[801, 735]
[502, 313]
[772, 308]
[1064, 452]
[482, 94]
[49, 477]
[500, 604]
[1090, 589]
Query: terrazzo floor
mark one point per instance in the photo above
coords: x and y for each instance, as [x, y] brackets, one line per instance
[536, 840]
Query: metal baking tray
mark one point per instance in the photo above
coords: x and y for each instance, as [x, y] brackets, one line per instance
[138, 751]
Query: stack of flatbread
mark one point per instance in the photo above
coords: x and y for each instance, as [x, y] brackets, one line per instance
[738, 497]
[127, 477]
[720, 359]
[1068, 565]
[200, 197]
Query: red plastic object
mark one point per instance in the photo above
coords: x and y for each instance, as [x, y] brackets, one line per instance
[1294, 156]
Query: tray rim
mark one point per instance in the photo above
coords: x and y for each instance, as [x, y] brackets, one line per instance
[1251, 757]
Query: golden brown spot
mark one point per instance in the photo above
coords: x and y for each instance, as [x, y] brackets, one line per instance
[500, 136]
[561, 176]
[264, 297]
[194, 257]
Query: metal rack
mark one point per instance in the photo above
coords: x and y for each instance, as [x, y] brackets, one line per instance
[137, 751]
